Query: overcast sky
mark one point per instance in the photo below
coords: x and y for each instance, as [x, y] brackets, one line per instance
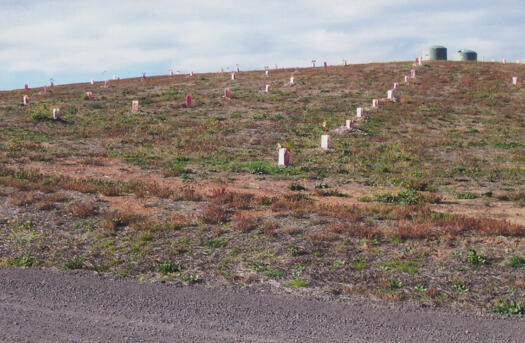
[74, 41]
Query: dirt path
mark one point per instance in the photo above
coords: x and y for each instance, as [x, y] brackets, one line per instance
[54, 306]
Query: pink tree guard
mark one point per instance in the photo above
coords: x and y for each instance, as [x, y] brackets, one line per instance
[349, 124]
[375, 103]
[26, 86]
[396, 85]
[267, 89]
[238, 69]
[227, 93]
[45, 89]
[89, 94]
[92, 82]
[234, 76]
[25, 100]
[407, 78]
[143, 76]
[266, 72]
[106, 83]
[188, 100]
[413, 73]
[325, 64]
[191, 73]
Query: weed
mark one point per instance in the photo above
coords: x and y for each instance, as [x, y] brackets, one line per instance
[516, 262]
[395, 284]
[510, 307]
[215, 243]
[298, 283]
[25, 261]
[74, 263]
[168, 267]
[358, 263]
[294, 186]
[465, 195]
[475, 259]
[193, 278]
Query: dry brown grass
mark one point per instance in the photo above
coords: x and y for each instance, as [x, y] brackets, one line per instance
[49, 202]
[243, 223]
[82, 209]
[270, 227]
[24, 199]
[215, 213]
[414, 231]
[114, 219]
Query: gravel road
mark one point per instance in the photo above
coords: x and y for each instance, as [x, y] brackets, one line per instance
[56, 306]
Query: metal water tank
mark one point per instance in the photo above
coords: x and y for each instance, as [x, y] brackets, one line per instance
[435, 52]
[467, 55]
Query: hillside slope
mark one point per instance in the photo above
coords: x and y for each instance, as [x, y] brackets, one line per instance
[423, 199]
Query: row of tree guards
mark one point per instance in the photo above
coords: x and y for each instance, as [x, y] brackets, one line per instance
[284, 153]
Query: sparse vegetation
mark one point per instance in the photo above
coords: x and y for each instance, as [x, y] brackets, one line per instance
[426, 204]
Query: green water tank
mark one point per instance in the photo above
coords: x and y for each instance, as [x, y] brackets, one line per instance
[467, 55]
[435, 52]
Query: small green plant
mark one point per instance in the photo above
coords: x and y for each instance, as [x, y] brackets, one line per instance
[358, 263]
[458, 285]
[74, 263]
[395, 284]
[510, 307]
[215, 243]
[465, 195]
[406, 197]
[168, 267]
[193, 278]
[39, 113]
[475, 259]
[25, 261]
[517, 262]
[296, 187]
[298, 283]
[322, 185]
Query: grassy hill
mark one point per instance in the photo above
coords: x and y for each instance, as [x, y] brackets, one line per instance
[422, 200]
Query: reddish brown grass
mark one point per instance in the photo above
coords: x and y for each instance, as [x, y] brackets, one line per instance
[82, 209]
[244, 224]
[214, 213]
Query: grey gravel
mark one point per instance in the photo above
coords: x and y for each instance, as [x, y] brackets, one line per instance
[56, 306]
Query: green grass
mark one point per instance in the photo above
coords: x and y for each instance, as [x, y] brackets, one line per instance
[516, 262]
[168, 267]
[509, 307]
[298, 283]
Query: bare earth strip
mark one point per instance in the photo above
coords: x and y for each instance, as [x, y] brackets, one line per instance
[52, 306]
